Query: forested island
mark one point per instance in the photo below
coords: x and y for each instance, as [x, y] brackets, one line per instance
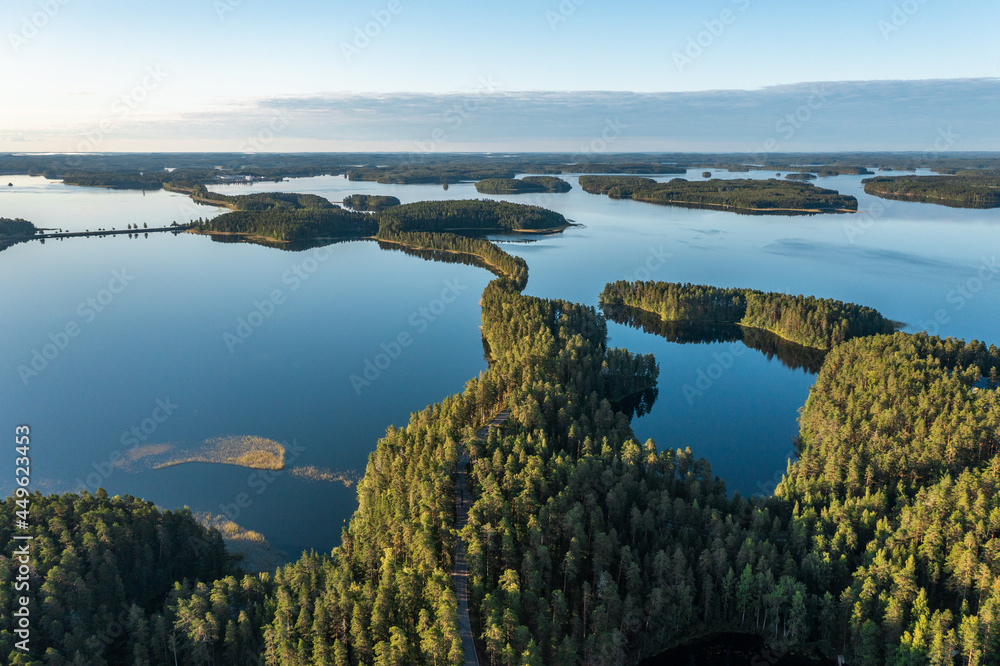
[737, 195]
[790, 354]
[470, 215]
[821, 323]
[284, 217]
[15, 230]
[840, 170]
[527, 184]
[965, 189]
[800, 176]
[370, 202]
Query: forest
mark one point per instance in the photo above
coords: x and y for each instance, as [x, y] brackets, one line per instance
[800, 176]
[821, 323]
[527, 184]
[370, 202]
[469, 214]
[790, 354]
[584, 545]
[739, 195]
[965, 189]
[16, 228]
[282, 216]
[285, 217]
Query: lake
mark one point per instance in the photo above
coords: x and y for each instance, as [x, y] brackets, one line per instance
[156, 318]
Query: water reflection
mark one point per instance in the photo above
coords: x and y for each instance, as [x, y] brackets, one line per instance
[442, 256]
[793, 356]
[638, 404]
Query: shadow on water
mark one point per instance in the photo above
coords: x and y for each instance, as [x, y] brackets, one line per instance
[729, 649]
[791, 355]
[638, 404]
[442, 256]
[287, 246]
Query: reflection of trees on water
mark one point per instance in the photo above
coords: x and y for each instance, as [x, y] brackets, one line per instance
[638, 404]
[444, 257]
[287, 246]
[790, 354]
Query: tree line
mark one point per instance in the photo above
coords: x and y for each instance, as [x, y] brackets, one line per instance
[821, 323]
[527, 184]
[370, 202]
[736, 194]
[966, 189]
[16, 228]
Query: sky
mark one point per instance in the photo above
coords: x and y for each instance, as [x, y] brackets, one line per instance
[449, 75]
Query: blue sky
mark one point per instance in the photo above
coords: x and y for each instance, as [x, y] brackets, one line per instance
[208, 74]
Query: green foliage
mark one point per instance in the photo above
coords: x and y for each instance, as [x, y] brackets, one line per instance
[471, 214]
[490, 256]
[800, 176]
[524, 185]
[896, 499]
[101, 568]
[16, 228]
[440, 174]
[741, 195]
[283, 216]
[967, 189]
[372, 202]
[821, 323]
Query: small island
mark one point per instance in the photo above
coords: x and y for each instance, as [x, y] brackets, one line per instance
[471, 215]
[836, 170]
[528, 184]
[370, 202]
[800, 176]
[750, 196]
[966, 189]
[16, 230]
[820, 323]
[241, 450]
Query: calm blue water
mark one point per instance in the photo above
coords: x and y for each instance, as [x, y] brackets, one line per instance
[161, 337]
